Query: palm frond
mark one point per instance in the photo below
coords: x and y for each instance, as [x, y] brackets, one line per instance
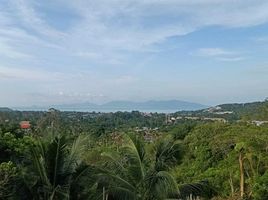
[114, 160]
[121, 193]
[116, 180]
[134, 153]
[55, 158]
[56, 167]
[38, 161]
[200, 189]
[168, 153]
[162, 185]
[73, 159]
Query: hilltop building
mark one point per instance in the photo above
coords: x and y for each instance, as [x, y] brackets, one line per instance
[25, 125]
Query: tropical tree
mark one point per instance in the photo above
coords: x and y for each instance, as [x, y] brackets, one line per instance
[56, 167]
[132, 173]
[8, 175]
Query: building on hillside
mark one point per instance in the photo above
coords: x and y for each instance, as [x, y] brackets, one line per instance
[215, 119]
[213, 109]
[259, 123]
[223, 112]
[192, 118]
[173, 119]
[25, 125]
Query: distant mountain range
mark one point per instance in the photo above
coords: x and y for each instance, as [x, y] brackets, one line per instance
[113, 106]
[5, 109]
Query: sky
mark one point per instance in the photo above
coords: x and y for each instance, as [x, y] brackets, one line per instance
[65, 51]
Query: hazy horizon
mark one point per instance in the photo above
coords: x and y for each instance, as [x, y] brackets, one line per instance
[68, 106]
[130, 100]
[62, 52]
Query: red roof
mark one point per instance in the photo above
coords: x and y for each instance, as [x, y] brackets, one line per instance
[25, 124]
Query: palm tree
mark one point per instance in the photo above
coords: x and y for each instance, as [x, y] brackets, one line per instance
[57, 168]
[132, 173]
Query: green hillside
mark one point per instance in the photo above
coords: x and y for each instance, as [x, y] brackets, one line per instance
[134, 155]
[233, 112]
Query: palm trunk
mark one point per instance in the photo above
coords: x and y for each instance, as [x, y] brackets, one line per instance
[231, 185]
[242, 178]
[103, 193]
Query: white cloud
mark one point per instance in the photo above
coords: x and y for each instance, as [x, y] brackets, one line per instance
[10, 52]
[219, 54]
[27, 14]
[32, 74]
[213, 52]
[108, 27]
[29, 74]
[126, 79]
[91, 55]
[100, 57]
[231, 59]
[134, 24]
[263, 39]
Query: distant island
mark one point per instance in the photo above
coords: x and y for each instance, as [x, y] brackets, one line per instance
[5, 109]
[166, 106]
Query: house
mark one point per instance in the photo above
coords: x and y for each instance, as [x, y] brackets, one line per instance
[173, 119]
[192, 118]
[215, 119]
[212, 109]
[223, 112]
[25, 125]
[259, 123]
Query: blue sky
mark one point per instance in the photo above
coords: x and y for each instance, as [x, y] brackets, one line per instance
[65, 51]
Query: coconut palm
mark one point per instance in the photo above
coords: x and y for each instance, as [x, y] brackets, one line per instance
[132, 173]
[56, 167]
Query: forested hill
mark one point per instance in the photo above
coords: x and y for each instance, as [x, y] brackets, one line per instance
[255, 110]
[5, 109]
[233, 111]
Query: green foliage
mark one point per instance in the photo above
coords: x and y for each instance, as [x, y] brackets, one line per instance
[8, 175]
[260, 189]
[52, 161]
[180, 131]
[14, 148]
[200, 189]
[212, 154]
[167, 153]
[134, 174]
[55, 167]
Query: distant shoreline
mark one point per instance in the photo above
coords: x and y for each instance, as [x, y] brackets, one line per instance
[101, 111]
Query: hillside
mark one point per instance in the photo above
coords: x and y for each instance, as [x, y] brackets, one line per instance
[200, 158]
[5, 109]
[234, 111]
